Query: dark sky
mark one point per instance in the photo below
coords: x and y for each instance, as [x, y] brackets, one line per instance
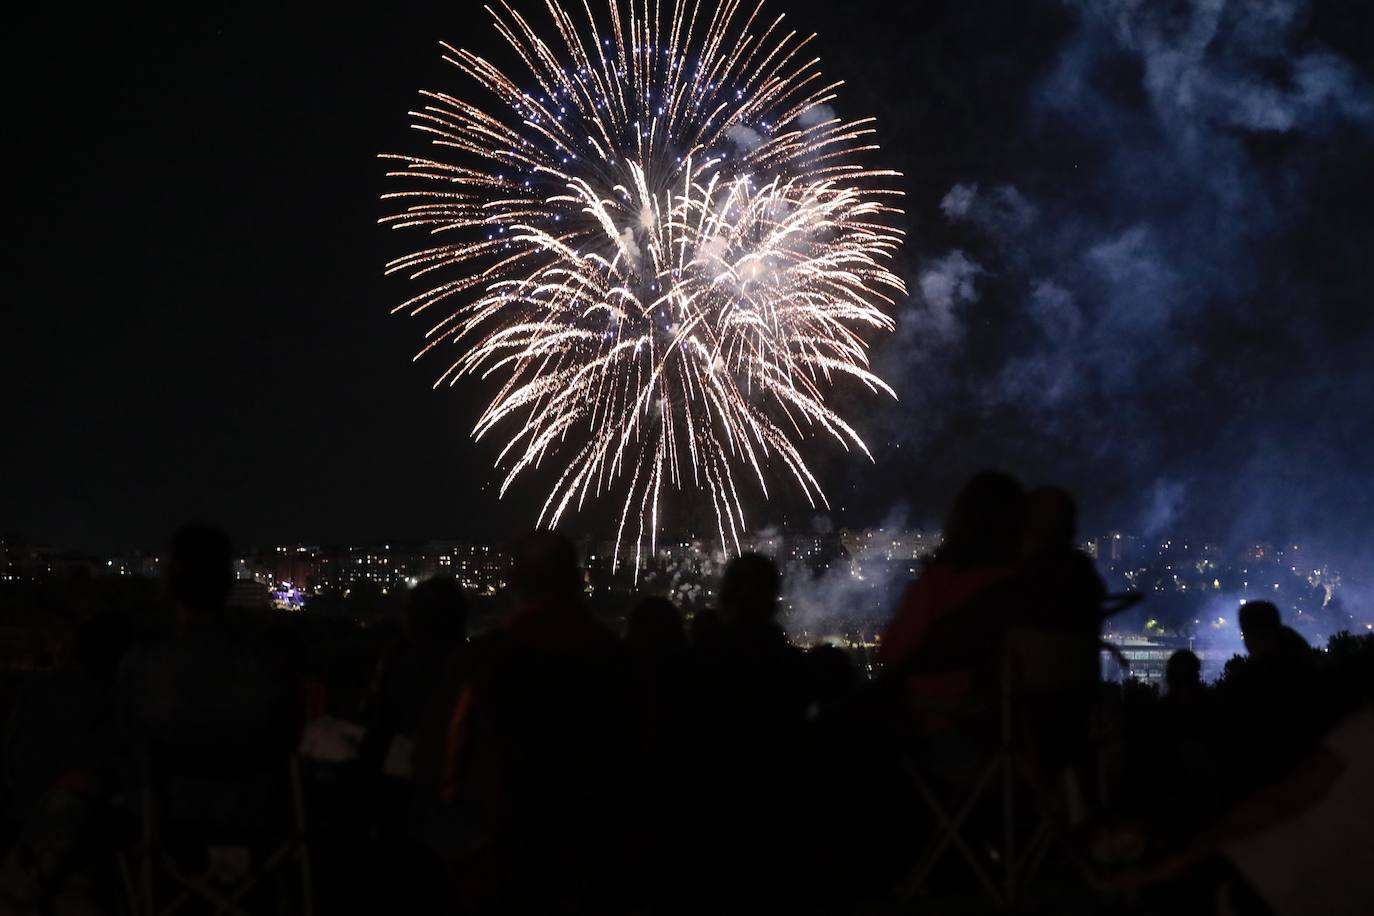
[1139, 264]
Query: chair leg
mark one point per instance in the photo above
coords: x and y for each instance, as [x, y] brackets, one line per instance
[140, 888]
[1009, 737]
[303, 845]
[149, 850]
[1050, 832]
[950, 836]
[223, 903]
[126, 878]
[1009, 830]
[1039, 845]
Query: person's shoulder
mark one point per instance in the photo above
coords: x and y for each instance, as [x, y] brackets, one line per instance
[1292, 641]
[1353, 738]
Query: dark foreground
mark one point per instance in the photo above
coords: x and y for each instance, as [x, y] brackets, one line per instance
[176, 754]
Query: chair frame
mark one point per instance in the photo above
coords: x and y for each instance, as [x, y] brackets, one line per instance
[142, 867]
[1004, 768]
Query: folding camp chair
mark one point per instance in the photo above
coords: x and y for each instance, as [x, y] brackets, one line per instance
[1035, 808]
[156, 884]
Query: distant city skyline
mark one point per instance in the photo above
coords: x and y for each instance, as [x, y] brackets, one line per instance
[1171, 564]
[839, 585]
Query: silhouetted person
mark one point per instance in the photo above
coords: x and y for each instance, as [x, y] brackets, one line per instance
[667, 688]
[762, 673]
[1062, 587]
[207, 685]
[214, 713]
[847, 842]
[982, 541]
[1183, 676]
[749, 591]
[1267, 639]
[755, 704]
[1053, 628]
[1276, 703]
[436, 623]
[416, 681]
[539, 747]
[1185, 775]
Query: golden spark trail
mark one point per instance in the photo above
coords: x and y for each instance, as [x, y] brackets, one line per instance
[662, 247]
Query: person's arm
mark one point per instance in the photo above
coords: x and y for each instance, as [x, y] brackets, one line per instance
[1273, 804]
[1299, 790]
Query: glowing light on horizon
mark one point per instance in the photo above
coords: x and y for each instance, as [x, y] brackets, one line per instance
[660, 245]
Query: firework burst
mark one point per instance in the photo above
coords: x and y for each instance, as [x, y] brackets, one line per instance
[662, 247]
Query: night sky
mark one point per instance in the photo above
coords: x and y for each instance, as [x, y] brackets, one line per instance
[1141, 264]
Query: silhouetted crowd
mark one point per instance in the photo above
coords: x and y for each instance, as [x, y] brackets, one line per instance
[225, 761]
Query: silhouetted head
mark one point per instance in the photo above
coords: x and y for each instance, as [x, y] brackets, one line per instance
[1050, 523]
[749, 589]
[544, 569]
[984, 524]
[1183, 672]
[437, 614]
[200, 567]
[656, 630]
[1260, 626]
